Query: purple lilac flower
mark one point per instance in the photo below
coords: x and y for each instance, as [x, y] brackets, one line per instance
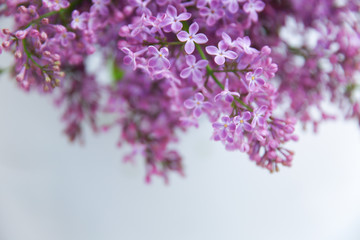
[100, 6]
[212, 14]
[198, 104]
[244, 45]
[159, 59]
[66, 37]
[56, 5]
[241, 122]
[232, 5]
[194, 69]
[252, 8]
[221, 52]
[79, 20]
[227, 39]
[254, 79]
[226, 94]
[258, 116]
[224, 129]
[174, 20]
[192, 37]
[131, 57]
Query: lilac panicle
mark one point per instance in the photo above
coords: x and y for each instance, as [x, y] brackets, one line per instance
[159, 54]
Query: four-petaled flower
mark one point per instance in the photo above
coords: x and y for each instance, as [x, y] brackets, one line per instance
[194, 69]
[221, 53]
[174, 20]
[198, 104]
[79, 20]
[191, 38]
[232, 5]
[226, 94]
[241, 122]
[254, 79]
[212, 14]
[258, 116]
[159, 59]
[100, 6]
[244, 45]
[252, 7]
[225, 128]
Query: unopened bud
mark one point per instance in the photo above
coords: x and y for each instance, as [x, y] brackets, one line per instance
[45, 21]
[6, 31]
[18, 54]
[43, 36]
[22, 9]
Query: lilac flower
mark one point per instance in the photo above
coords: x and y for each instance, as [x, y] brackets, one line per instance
[56, 5]
[174, 19]
[156, 23]
[221, 52]
[226, 94]
[252, 7]
[131, 57]
[244, 45]
[198, 104]
[227, 39]
[159, 59]
[66, 37]
[212, 14]
[232, 5]
[258, 116]
[100, 6]
[225, 128]
[191, 38]
[195, 69]
[242, 124]
[79, 20]
[254, 79]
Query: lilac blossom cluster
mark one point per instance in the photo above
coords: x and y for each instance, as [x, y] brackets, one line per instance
[174, 61]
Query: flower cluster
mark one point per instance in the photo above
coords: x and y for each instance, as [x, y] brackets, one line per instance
[174, 61]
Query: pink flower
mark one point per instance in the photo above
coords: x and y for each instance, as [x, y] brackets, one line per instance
[242, 124]
[221, 53]
[244, 45]
[212, 14]
[232, 5]
[159, 59]
[195, 69]
[174, 20]
[197, 104]
[226, 94]
[191, 38]
[100, 6]
[224, 130]
[258, 116]
[79, 20]
[254, 79]
[252, 7]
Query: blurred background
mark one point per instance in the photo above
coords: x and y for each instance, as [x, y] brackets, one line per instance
[51, 189]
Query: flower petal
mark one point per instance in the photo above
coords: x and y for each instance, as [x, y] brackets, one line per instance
[189, 47]
[194, 28]
[183, 36]
[200, 38]
[212, 50]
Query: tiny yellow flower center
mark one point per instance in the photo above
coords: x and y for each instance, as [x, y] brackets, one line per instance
[241, 121]
[225, 125]
[253, 78]
[198, 103]
[77, 20]
[190, 37]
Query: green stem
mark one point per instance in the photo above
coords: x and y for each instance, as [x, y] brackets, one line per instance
[29, 55]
